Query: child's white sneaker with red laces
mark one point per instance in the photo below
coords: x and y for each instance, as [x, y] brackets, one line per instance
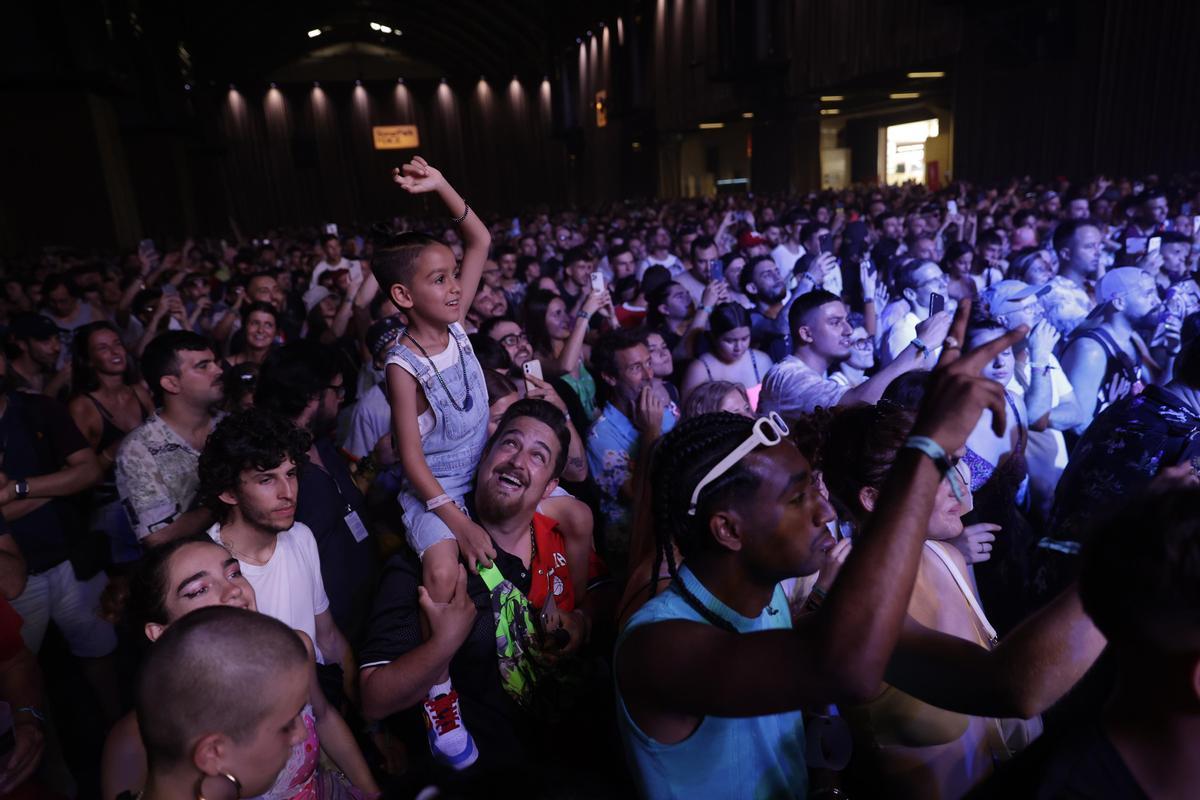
[449, 740]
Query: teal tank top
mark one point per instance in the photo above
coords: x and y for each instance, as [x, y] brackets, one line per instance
[725, 757]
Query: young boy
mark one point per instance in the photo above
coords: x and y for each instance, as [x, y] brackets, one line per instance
[439, 412]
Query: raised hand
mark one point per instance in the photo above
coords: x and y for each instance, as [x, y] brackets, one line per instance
[1042, 339]
[417, 177]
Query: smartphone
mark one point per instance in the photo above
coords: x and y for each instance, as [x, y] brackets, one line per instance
[936, 303]
[1195, 226]
[870, 267]
[597, 284]
[1154, 245]
[332, 228]
[951, 206]
[170, 290]
[718, 270]
[533, 368]
[826, 241]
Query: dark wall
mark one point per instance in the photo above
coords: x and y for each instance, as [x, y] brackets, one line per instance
[1075, 88]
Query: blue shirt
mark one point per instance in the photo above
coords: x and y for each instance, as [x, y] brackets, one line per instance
[725, 757]
[612, 446]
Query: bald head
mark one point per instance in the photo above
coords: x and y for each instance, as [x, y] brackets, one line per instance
[214, 671]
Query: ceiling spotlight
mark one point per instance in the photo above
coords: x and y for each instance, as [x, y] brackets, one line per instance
[578, 40]
[904, 95]
[376, 26]
[832, 98]
[397, 32]
[314, 33]
[187, 87]
[830, 112]
[926, 74]
[589, 34]
[747, 115]
[711, 126]
[358, 82]
[385, 29]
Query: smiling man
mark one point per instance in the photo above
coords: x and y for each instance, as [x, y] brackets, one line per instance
[505, 608]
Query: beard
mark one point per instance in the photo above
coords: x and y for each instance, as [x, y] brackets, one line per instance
[489, 506]
[770, 298]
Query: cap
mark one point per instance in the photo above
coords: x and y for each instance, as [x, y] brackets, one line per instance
[314, 296]
[750, 239]
[32, 326]
[1002, 297]
[382, 334]
[654, 277]
[1117, 282]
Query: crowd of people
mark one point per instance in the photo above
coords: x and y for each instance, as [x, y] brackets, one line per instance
[883, 492]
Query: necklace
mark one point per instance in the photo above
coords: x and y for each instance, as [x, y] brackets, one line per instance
[462, 362]
[239, 555]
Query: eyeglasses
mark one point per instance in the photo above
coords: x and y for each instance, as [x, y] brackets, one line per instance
[512, 339]
[768, 431]
[862, 344]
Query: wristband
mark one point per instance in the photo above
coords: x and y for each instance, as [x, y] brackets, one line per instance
[21, 489]
[581, 314]
[33, 712]
[922, 348]
[706, 309]
[935, 452]
[438, 502]
[466, 210]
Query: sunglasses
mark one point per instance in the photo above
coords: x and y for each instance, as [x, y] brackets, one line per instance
[767, 431]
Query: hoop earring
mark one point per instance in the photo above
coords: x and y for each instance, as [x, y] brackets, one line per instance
[237, 785]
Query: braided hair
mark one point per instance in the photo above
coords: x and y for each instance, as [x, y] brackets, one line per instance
[682, 459]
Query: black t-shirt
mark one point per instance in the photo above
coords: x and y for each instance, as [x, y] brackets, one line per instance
[498, 725]
[1080, 766]
[347, 566]
[36, 437]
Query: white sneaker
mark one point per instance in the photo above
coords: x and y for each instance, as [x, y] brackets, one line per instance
[449, 741]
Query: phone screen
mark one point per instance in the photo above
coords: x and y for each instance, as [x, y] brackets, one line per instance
[826, 241]
[936, 303]
[1154, 244]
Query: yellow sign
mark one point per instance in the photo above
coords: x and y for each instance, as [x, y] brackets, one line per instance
[395, 137]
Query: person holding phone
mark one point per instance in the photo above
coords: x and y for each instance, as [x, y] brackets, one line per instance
[919, 281]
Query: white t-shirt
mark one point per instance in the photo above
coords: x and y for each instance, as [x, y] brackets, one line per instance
[354, 267]
[670, 262]
[370, 421]
[1047, 450]
[785, 259]
[900, 336]
[443, 361]
[289, 586]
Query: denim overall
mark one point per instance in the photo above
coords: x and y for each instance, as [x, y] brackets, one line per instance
[455, 445]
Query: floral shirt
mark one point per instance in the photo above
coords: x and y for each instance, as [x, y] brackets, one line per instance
[612, 446]
[1122, 450]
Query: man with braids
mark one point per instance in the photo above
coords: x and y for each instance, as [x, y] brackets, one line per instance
[698, 713]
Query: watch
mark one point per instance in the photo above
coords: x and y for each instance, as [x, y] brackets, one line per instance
[21, 488]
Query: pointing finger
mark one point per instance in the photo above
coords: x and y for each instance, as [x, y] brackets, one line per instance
[958, 330]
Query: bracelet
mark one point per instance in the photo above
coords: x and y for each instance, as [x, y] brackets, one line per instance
[922, 348]
[33, 712]
[581, 314]
[438, 502]
[935, 452]
[466, 210]
[706, 309]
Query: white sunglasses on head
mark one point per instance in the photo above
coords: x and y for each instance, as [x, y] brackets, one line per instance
[768, 430]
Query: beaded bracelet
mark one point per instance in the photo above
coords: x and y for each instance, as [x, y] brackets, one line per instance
[466, 210]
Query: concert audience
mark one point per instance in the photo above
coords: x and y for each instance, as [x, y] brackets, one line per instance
[452, 440]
